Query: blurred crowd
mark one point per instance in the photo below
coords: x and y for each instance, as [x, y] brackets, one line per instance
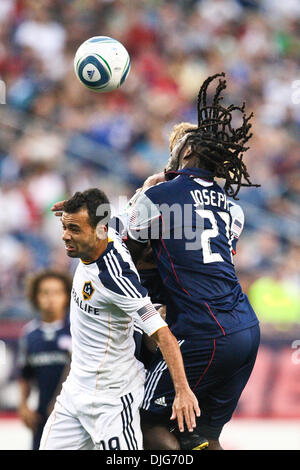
[56, 137]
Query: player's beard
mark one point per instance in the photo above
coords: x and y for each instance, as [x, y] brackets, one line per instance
[74, 250]
[81, 250]
[71, 251]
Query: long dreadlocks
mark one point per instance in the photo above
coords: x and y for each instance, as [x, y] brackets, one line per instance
[219, 146]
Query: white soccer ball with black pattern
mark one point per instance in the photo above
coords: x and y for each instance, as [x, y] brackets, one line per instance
[101, 64]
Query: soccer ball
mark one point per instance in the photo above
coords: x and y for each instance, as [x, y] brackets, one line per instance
[101, 64]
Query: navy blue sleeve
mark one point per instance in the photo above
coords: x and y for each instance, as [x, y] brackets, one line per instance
[24, 369]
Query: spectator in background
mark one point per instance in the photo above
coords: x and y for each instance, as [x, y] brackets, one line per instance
[56, 137]
[45, 37]
[44, 348]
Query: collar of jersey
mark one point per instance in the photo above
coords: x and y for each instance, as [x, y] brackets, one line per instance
[107, 249]
[193, 172]
[52, 326]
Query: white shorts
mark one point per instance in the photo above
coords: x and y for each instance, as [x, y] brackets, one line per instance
[82, 420]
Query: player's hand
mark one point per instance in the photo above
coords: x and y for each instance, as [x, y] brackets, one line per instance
[58, 208]
[153, 180]
[29, 417]
[185, 408]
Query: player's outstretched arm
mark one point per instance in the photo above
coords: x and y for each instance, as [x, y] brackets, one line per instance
[153, 180]
[185, 406]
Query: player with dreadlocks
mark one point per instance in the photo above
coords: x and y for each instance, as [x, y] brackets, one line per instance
[206, 310]
[217, 145]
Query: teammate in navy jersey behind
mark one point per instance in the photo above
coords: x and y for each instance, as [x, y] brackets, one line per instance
[45, 348]
[207, 311]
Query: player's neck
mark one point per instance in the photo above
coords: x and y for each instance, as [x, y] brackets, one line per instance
[190, 161]
[96, 253]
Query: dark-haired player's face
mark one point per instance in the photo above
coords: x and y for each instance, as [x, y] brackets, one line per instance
[52, 298]
[79, 236]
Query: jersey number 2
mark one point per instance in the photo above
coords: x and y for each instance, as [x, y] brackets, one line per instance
[207, 234]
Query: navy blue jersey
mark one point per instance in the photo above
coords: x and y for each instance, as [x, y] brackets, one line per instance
[44, 353]
[193, 228]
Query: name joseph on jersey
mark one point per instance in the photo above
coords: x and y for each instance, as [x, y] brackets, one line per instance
[210, 198]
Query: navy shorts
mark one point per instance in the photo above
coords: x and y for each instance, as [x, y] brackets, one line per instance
[217, 371]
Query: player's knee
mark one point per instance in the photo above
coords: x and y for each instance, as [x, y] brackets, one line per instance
[159, 438]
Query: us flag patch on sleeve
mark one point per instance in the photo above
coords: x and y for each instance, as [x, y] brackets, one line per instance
[147, 312]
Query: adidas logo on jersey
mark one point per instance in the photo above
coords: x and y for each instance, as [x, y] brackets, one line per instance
[161, 401]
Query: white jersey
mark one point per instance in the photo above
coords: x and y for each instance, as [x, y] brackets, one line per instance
[107, 298]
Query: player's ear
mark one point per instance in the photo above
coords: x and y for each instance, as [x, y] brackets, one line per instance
[101, 231]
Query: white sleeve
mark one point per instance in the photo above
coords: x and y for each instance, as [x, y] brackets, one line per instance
[142, 311]
[120, 222]
[238, 219]
[121, 287]
[237, 224]
[143, 218]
